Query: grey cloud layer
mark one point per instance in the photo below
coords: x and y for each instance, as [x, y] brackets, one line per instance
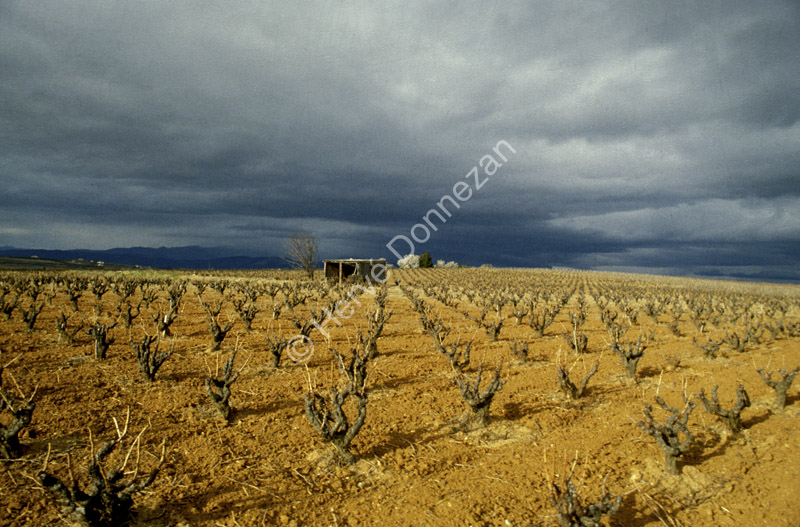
[177, 123]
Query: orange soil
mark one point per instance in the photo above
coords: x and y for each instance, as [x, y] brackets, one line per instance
[268, 466]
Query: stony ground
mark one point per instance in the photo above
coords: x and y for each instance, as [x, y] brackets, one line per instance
[415, 466]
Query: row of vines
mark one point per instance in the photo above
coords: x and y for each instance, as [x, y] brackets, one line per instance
[107, 379]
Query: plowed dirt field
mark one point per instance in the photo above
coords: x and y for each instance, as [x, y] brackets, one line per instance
[415, 464]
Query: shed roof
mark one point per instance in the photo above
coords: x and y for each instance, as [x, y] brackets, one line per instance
[349, 260]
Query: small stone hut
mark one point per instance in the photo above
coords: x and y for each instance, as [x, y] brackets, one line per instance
[372, 270]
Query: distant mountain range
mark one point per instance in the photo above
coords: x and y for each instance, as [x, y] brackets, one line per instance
[189, 257]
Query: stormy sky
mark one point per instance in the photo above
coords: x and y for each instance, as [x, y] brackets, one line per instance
[656, 137]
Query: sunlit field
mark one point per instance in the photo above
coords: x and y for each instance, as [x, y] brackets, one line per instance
[444, 396]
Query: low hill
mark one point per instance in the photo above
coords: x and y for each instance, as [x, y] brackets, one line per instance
[189, 257]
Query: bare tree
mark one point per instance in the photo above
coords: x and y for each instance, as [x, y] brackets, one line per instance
[150, 361]
[20, 412]
[733, 417]
[218, 333]
[570, 388]
[108, 499]
[571, 512]
[780, 387]
[668, 436]
[219, 390]
[478, 401]
[68, 334]
[276, 346]
[302, 252]
[328, 416]
[99, 332]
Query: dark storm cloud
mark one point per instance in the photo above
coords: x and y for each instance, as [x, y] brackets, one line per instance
[659, 137]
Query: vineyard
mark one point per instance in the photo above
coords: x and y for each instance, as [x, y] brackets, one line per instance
[443, 397]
